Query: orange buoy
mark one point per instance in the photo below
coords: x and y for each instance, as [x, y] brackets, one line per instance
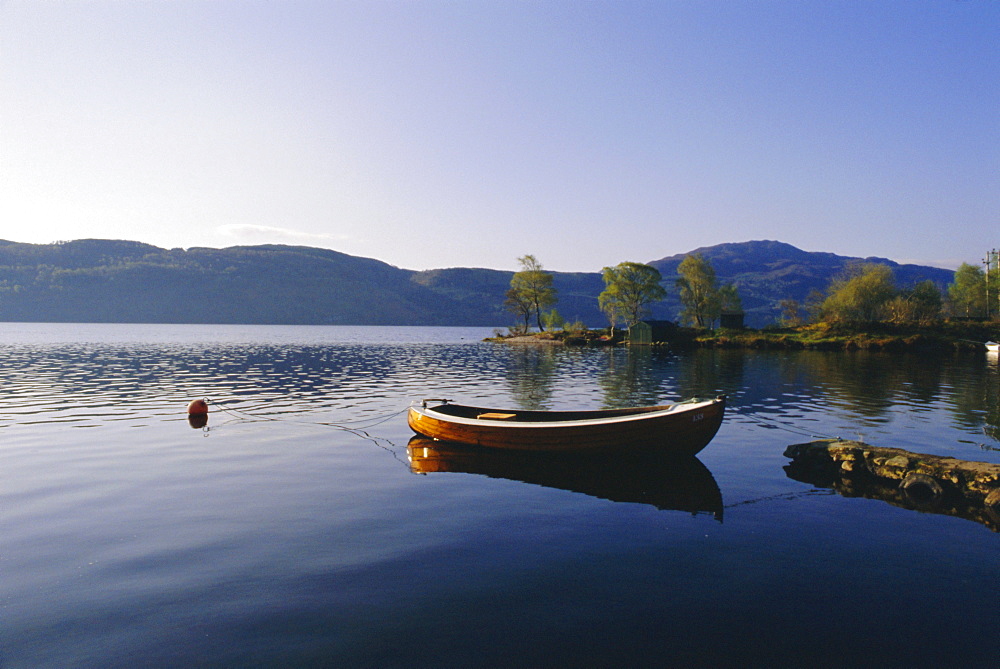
[198, 408]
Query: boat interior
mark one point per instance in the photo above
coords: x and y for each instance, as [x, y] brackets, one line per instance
[462, 411]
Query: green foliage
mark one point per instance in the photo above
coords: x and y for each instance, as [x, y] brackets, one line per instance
[729, 299]
[531, 291]
[911, 336]
[968, 292]
[791, 313]
[920, 304]
[553, 320]
[630, 288]
[866, 293]
[860, 295]
[699, 291]
[768, 272]
[518, 304]
[814, 305]
[120, 281]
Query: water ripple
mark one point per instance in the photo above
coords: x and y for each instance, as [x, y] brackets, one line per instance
[92, 383]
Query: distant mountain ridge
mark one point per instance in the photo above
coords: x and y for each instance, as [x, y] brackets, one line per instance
[766, 272]
[92, 280]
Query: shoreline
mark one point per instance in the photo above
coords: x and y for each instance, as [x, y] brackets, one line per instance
[943, 338]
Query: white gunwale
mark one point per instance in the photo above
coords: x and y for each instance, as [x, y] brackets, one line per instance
[524, 424]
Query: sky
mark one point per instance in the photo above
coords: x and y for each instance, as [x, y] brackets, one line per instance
[468, 133]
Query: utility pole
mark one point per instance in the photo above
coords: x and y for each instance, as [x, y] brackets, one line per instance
[992, 256]
[987, 263]
[991, 259]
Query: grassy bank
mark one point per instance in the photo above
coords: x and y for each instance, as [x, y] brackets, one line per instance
[582, 337]
[944, 336]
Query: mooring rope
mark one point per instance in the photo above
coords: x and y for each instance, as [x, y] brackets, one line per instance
[772, 423]
[787, 495]
[380, 442]
[345, 426]
[365, 422]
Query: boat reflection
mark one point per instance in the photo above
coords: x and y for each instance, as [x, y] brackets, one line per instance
[661, 480]
[927, 483]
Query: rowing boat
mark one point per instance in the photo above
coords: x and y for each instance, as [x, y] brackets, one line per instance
[683, 428]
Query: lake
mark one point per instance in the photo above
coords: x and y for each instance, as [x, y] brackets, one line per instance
[300, 527]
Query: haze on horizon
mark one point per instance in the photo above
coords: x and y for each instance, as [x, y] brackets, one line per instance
[442, 134]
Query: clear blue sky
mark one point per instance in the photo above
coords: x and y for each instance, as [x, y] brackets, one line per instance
[468, 133]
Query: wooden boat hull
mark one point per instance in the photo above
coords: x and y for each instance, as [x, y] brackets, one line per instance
[681, 429]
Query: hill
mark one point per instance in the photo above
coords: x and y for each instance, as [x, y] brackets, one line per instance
[766, 272]
[113, 281]
[92, 280]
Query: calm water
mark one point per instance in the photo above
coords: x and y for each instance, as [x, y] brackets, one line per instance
[297, 529]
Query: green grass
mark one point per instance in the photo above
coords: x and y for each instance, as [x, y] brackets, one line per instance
[942, 336]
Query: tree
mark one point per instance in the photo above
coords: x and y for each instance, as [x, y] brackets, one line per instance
[814, 305]
[992, 263]
[610, 307]
[791, 312]
[926, 300]
[860, 295]
[729, 299]
[699, 291]
[968, 292]
[920, 304]
[630, 288]
[518, 304]
[530, 289]
[553, 319]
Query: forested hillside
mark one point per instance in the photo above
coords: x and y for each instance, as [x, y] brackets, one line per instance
[120, 281]
[114, 281]
[766, 272]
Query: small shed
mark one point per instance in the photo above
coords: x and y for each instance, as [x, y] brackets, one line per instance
[647, 333]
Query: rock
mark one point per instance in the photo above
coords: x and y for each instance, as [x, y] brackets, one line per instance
[962, 488]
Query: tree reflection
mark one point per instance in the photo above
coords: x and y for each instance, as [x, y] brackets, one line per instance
[991, 397]
[710, 372]
[531, 375]
[633, 377]
[875, 386]
[960, 391]
[866, 387]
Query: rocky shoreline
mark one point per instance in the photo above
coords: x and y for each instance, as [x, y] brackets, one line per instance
[928, 483]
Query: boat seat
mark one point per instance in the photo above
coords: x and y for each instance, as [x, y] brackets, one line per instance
[496, 415]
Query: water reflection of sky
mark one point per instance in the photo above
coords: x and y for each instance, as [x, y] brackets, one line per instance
[945, 402]
[277, 538]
